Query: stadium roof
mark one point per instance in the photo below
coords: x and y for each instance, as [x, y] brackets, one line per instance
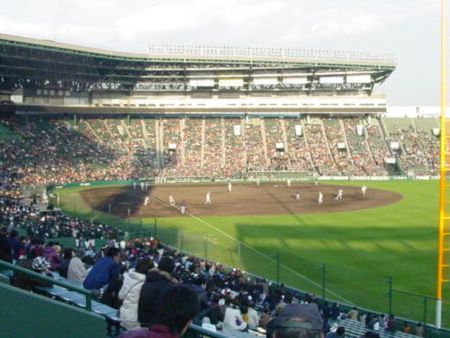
[35, 63]
[219, 52]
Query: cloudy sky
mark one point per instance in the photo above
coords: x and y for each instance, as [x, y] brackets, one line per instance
[407, 28]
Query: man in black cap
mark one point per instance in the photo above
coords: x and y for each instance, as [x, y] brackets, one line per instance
[296, 321]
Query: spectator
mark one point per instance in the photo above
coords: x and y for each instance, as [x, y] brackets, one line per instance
[174, 308]
[76, 271]
[39, 265]
[233, 318]
[420, 332]
[339, 333]
[353, 313]
[104, 270]
[5, 247]
[390, 323]
[15, 244]
[52, 256]
[298, 320]
[406, 328]
[130, 292]
[156, 280]
[65, 261]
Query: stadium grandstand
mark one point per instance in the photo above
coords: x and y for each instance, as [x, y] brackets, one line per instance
[72, 114]
[188, 110]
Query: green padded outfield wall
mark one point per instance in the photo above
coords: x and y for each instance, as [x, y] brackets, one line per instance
[27, 315]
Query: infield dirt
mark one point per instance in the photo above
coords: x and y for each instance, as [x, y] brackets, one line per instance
[244, 199]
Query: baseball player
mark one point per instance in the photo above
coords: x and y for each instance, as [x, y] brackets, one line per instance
[142, 185]
[288, 182]
[230, 187]
[297, 196]
[183, 208]
[320, 199]
[363, 190]
[146, 201]
[208, 198]
[171, 201]
[339, 195]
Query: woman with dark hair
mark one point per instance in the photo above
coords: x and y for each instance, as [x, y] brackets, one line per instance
[175, 308]
[157, 279]
[65, 261]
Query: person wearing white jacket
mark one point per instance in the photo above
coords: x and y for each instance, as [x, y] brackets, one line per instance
[130, 292]
[233, 319]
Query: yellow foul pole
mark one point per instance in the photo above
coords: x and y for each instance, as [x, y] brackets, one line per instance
[442, 183]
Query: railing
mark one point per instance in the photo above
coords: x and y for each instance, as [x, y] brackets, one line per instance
[268, 52]
[193, 331]
[87, 293]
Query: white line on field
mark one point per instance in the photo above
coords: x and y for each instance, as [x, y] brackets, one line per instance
[258, 252]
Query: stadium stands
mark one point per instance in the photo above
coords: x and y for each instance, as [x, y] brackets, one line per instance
[105, 149]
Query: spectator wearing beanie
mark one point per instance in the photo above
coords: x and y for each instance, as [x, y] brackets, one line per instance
[39, 265]
[157, 279]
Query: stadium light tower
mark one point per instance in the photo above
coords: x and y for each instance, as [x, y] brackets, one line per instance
[444, 215]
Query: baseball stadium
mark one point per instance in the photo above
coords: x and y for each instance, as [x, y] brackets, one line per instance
[275, 174]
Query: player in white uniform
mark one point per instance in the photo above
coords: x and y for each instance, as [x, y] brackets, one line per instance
[230, 187]
[208, 198]
[146, 201]
[363, 190]
[183, 208]
[171, 201]
[142, 185]
[339, 195]
[320, 199]
[297, 196]
[288, 182]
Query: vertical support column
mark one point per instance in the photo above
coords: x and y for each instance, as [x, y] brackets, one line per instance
[442, 171]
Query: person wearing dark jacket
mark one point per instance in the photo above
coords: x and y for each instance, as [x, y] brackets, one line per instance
[175, 308]
[5, 247]
[65, 261]
[157, 279]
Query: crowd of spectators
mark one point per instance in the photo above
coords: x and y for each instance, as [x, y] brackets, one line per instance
[363, 161]
[235, 152]
[133, 275]
[299, 155]
[213, 157]
[320, 154]
[378, 148]
[58, 151]
[336, 138]
[254, 145]
[125, 273]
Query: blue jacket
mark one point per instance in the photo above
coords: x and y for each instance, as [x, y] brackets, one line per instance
[101, 273]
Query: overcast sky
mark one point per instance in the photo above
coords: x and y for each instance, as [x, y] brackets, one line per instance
[407, 28]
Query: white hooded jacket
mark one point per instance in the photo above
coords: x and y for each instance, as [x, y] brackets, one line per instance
[129, 294]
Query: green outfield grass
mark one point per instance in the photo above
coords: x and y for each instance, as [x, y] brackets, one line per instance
[360, 249]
